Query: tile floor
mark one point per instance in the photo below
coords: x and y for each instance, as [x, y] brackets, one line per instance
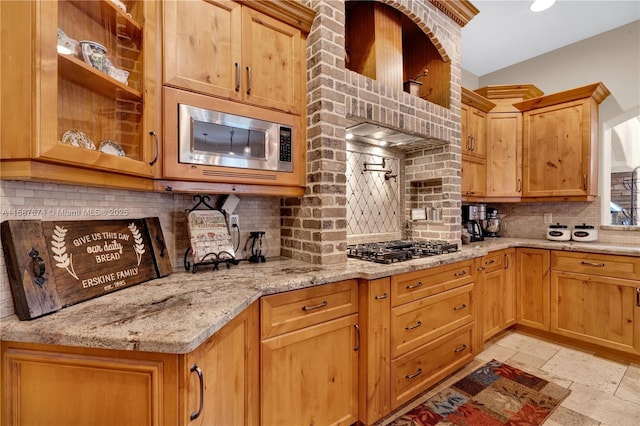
[603, 392]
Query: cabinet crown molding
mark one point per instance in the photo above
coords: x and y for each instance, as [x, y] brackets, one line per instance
[509, 91]
[461, 11]
[292, 12]
[469, 97]
[597, 91]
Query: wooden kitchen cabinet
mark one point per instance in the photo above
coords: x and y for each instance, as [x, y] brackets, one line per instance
[433, 315]
[595, 299]
[533, 288]
[473, 112]
[375, 362]
[309, 355]
[224, 372]
[560, 144]
[57, 385]
[474, 177]
[226, 49]
[217, 383]
[473, 116]
[46, 94]
[498, 292]
[504, 140]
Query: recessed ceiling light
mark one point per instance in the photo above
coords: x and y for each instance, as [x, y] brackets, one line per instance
[540, 5]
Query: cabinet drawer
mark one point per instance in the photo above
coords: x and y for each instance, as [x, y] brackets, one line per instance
[493, 261]
[293, 310]
[607, 265]
[414, 324]
[422, 367]
[416, 285]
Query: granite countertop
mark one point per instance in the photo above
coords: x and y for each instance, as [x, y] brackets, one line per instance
[177, 313]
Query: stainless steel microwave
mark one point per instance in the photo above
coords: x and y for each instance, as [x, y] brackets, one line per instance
[214, 138]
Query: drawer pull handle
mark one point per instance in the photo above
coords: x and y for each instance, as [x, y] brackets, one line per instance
[414, 375]
[481, 268]
[357, 347]
[411, 287]
[413, 327]
[461, 273]
[599, 265]
[459, 308]
[490, 262]
[310, 308]
[384, 296]
[198, 371]
[460, 349]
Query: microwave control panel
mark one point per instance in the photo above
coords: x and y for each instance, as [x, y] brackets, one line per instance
[285, 144]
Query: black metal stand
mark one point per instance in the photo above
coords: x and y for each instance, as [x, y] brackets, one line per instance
[214, 259]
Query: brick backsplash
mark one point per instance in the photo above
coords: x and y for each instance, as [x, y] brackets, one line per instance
[49, 202]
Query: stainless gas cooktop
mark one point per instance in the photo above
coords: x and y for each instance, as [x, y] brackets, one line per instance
[398, 251]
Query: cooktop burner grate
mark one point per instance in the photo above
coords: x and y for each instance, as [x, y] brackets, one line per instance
[398, 251]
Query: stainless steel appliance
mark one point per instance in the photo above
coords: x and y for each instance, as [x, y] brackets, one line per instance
[217, 138]
[472, 223]
[491, 225]
[399, 250]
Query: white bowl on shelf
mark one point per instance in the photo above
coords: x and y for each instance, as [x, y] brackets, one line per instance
[94, 54]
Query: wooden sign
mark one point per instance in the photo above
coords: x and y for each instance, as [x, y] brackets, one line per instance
[56, 264]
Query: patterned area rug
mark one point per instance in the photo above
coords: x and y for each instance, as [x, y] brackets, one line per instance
[494, 394]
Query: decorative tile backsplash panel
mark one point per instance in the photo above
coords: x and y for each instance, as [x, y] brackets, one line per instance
[374, 204]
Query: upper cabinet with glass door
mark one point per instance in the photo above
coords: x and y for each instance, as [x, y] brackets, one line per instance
[78, 104]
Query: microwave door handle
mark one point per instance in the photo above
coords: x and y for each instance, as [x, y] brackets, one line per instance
[250, 80]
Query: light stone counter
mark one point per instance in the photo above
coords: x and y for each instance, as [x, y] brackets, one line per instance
[175, 314]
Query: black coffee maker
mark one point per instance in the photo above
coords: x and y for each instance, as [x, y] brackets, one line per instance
[471, 220]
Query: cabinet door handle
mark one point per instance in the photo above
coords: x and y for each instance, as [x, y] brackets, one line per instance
[198, 371]
[599, 265]
[155, 158]
[469, 143]
[413, 327]
[638, 296]
[414, 375]
[584, 182]
[473, 143]
[310, 308]
[411, 287]
[459, 308]
[460, 349]
[459, 274]
[384, 296]
[357, 336]
[237, 77]
[506, 261]
[250, 76]
[519, 185]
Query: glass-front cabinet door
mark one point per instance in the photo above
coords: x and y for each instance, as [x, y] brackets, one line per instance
[88, 115]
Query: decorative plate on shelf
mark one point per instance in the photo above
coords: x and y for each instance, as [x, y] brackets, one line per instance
[78, 139]
[112, 147]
